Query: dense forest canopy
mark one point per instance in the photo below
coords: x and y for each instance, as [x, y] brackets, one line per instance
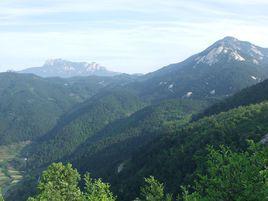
[228, 175]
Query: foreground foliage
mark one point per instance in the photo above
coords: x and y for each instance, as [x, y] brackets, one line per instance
[60, 183]
[153, 191]
[97, 190]
[1, 197]
[234, 176]
[227, 175]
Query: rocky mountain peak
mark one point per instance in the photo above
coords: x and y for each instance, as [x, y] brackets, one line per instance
[64, 68]
[230, 49]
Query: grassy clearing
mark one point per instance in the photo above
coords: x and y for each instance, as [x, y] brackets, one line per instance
[9, 175]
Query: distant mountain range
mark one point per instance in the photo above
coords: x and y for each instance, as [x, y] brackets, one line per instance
[221, 70]
[63, 68]
[115, 126]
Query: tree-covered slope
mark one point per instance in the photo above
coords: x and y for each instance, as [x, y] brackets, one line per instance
[117, 142]
[174, 158]
[112, 145]
[250, 95]
[79, 124]
[30, 105]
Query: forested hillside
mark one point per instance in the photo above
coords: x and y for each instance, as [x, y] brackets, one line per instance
[251, 95]
[80, 124]
[156, 141]
[120, 140]
[174, 158]
[32, 101]
[30, 106]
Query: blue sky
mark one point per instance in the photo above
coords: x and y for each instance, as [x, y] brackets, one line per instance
[132, 36]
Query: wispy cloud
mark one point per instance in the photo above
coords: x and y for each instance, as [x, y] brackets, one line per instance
[126, 35]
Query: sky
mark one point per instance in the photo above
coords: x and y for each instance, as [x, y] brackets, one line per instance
[130, 36]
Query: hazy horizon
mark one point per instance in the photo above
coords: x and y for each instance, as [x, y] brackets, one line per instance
[122, 35]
